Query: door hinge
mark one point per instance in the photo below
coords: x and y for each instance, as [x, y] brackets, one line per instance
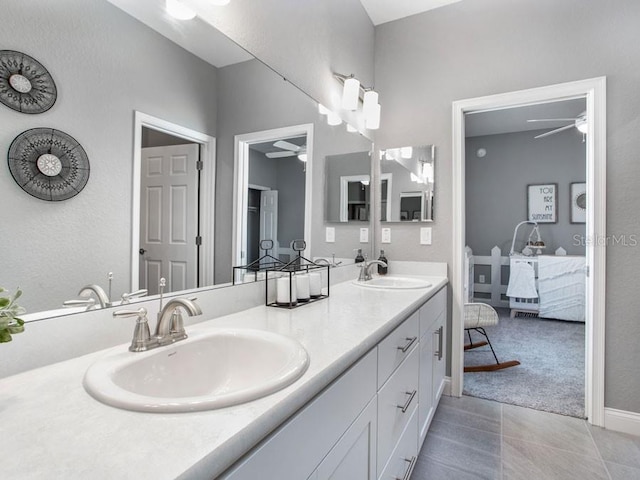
[199, 165]
[198, 240]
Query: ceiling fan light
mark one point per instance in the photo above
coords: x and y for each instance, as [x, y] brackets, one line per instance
[302, 157]
[179, 10]
[350, 94]
[582, 126]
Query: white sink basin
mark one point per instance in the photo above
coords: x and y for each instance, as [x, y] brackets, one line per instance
[394, 283]
[218, 369]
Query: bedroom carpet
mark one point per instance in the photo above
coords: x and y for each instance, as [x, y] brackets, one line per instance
[550, 376]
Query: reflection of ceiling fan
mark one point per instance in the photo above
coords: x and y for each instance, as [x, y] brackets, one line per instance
[288, 150]
[579, 122]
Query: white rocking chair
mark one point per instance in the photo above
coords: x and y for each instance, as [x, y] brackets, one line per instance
[476, 317]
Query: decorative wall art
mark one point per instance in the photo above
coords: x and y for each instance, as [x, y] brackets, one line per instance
[578, 202]
[25, 85]
[542, 203]
[48, 164]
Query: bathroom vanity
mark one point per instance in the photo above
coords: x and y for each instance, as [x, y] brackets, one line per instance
[361, 410]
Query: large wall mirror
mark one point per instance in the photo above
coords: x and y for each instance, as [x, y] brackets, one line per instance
[407, 184]
[108, 64]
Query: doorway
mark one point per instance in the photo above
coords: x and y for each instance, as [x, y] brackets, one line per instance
[594, 91]
[278, 164]
[186, 216]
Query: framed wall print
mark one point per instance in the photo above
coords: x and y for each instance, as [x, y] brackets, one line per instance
[542, 203]
[578, 193]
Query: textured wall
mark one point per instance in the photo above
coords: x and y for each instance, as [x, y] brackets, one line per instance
[105, 65]
[471, 49]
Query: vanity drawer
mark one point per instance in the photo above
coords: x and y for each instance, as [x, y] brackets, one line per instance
[396, 347]
[404, 457]
[397, 401]
[431, 310]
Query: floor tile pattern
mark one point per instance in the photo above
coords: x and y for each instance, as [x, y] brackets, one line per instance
[472, 439]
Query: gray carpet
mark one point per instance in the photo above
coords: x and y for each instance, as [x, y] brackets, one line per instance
[550, 376]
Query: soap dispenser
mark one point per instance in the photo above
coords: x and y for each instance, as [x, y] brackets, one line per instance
[382, 270]
[359, 257]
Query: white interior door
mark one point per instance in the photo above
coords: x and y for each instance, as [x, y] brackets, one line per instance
[269, 219]
[169, 217]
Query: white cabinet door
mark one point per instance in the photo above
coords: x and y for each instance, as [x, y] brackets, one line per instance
[426, 405]
[354, 456]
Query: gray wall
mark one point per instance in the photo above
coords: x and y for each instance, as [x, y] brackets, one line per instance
[105, 65]
[496, 188]
[252, 98]
[471, 49]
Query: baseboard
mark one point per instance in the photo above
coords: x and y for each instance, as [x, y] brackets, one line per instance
[447, 386]
[622, 421]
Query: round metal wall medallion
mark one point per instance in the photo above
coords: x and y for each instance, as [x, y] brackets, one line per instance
[48, 164]
[25, 85]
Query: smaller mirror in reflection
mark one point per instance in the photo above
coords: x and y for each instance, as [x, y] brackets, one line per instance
[348, 189]
[407, 184]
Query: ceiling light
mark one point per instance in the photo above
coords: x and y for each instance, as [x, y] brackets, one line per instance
[302, 157]
[582, 126]
[365, 182]
[350, 94]
[179, 10]
[333, 119]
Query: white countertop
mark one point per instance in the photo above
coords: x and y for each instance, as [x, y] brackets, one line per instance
[51, 428]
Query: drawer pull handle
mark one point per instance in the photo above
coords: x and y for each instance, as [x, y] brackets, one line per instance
[412, 463]
[409, 400]
[410, 341]
[438, 353]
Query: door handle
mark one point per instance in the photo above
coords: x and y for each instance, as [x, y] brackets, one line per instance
[142, 251]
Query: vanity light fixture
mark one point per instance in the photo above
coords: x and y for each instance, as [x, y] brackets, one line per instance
[333, 119]
[371, 110]
[179, 10]
[351, 93]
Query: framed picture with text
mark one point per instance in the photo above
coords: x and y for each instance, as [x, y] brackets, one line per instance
[542, 203]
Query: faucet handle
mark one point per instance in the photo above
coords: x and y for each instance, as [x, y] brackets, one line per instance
[126, 297]
[141, 334]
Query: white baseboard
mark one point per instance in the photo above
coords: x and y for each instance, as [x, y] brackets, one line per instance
[622, 421]
[447, 386]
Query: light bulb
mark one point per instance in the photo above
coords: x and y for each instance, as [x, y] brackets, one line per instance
[302, 157]
[372, 122]
[350, 94]
[370, 101]
[178, 10]
[333, 119]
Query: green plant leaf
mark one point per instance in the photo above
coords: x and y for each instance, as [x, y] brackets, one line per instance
[5, 336]
[4, 301]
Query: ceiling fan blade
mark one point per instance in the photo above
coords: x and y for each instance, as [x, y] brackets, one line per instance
[557, 130]
[287, 153]
[286, 145]
[552, 120]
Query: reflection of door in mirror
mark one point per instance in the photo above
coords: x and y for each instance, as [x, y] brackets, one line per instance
[168, 213]
[411, 206]
[271, 195]
[174, 171]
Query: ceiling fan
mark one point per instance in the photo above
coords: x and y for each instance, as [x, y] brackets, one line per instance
[579, 122]
[288, 150]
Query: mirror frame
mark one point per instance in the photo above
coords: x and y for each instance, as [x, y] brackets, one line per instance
[241, 183]
[207, 192]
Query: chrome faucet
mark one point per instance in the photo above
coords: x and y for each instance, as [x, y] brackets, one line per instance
[169, 328]
[98, 291]
[365, 269]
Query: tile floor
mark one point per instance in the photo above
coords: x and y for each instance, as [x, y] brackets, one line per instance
[471, 438]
